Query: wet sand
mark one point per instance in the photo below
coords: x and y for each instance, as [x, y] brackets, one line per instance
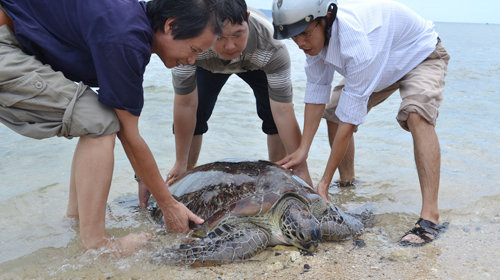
[450, 257]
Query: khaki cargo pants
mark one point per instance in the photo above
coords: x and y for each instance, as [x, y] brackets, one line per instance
[38, 102]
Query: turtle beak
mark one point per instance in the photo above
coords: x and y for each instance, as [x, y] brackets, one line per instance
[311, 246]
[309, 242]
[300, 227]
[315, 237]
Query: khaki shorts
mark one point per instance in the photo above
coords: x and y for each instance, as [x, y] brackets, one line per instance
[421, 90]
[38, 102]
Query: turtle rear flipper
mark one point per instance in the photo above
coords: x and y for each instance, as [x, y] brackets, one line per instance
[224, 244]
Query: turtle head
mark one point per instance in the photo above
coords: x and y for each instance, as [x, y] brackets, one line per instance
[299, 227]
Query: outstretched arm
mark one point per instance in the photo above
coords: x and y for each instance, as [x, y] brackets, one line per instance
[185, 107]
[289, 131]
[177, 216]
[339, 147]
[312, 117]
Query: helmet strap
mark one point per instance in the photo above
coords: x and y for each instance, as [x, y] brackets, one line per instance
[331, 15]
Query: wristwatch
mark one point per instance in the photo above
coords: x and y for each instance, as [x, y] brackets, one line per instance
[137, 178]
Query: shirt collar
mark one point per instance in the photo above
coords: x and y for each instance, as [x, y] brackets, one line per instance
[332, 52]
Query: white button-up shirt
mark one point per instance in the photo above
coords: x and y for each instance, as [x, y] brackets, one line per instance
[374, 43]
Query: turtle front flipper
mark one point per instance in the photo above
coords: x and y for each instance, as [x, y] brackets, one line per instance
[335, 224]
[224, 244]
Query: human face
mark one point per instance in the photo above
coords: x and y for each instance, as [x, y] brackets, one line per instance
[312, 39]
[233, 40]
[180, 52]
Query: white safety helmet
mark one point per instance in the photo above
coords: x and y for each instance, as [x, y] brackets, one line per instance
[292, 17]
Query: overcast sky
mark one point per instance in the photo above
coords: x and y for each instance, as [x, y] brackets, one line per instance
[475, 11]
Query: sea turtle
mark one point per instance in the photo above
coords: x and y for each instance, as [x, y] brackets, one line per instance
[248, 206]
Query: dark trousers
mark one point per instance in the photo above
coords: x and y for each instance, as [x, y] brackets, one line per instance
[209, 86]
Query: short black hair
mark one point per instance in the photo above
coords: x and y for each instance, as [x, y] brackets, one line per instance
[191, 16]
[233, 10]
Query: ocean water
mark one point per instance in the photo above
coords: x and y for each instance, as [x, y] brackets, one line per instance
[38, 242]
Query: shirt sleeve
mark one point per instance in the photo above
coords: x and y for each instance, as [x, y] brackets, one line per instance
[278, 76]
[362, 75]
[319, 80]
[120, 70]
[184, 79]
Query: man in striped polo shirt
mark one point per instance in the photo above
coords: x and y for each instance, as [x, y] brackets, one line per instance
[245, 48]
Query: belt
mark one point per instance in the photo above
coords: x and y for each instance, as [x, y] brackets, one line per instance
[4, 19]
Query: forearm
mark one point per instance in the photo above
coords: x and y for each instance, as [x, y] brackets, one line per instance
[145, 167]
[297, 159]
[339, 148]
[312, 118]
[288, 128]
[185, 107]
[141, 158]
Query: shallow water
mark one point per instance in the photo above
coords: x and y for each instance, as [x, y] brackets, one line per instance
[38, 242]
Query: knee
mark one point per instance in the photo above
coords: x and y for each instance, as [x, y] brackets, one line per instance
[108, 140]
[104, 140]
[413, 118]
[415, 122]
[200, 128]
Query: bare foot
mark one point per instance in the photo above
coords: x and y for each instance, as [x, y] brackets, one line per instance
[73, 217]
[415, 239]
[70, 221]
[127, 244]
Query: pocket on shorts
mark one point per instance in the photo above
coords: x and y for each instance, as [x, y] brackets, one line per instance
[22, 88]
[31, 92]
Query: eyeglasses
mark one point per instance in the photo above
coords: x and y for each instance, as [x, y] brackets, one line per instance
[305, 35]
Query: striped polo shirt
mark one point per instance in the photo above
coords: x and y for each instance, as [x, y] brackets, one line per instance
[261, 53]
[374, 43]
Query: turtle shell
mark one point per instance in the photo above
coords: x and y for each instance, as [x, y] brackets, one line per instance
[216, 190]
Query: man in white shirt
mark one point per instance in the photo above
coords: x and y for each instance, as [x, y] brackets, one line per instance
[378, 46]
